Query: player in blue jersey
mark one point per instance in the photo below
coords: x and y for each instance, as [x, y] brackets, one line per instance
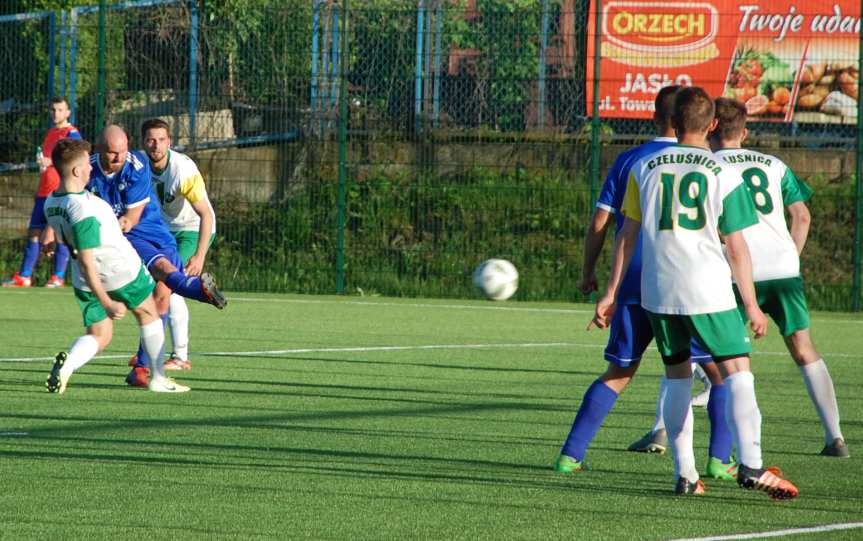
[123, 179]
[630, 329]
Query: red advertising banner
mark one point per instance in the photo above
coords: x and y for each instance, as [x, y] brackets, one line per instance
[784, 60]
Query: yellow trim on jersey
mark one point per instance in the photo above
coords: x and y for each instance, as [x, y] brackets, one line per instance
[192, 188]
[632, 200]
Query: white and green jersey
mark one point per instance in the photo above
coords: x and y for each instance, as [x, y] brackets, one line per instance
[684, 198]
[179, 186]
[84, 221]
[772, 186]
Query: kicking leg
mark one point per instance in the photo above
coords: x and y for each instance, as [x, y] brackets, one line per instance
[200, 288]
[83, 349]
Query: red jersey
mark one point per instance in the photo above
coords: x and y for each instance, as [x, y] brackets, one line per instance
[49, 180]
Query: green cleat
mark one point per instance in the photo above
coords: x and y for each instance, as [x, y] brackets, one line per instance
[567, 464]
[720, 470]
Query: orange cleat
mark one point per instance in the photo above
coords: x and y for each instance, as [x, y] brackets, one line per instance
[138, 377]
[54, 282]
[769, 480]
[18, 281]
[175, 363]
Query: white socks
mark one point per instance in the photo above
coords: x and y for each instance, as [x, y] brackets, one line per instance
[179, 323]
[744, 418]
[153, 339]
[677, 412]
[85, 348]
[820, 387]
[658, 423]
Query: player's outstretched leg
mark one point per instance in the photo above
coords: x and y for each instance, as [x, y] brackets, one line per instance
[83, 349]
[597, 402]
[202, 289]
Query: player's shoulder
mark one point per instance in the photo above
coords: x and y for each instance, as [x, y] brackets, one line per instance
[138, 161]
[184, 164]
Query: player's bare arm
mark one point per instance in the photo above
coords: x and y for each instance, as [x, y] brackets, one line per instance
[115, 310]
[624, 247]
[741, 268]
[800, 222]
[131, 218]
[593, 243]
[196, 263]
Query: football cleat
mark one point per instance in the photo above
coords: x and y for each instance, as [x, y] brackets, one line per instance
[567, 464]
[720, 470]
[767, 480]
[54, 282]
[652, 442]
[138, 377]
[685, 487]
[211, 290]
[175, 363]
[166, 385]
[836, 449]
[18, 281]
[57, 380]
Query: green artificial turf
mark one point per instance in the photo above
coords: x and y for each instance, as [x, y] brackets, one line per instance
[297, 427]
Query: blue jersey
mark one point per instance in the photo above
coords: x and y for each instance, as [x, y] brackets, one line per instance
[128, 189]
[611, 200]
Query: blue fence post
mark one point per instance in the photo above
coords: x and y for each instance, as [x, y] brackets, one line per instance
[437, 61]
[542, 69]
[316, 21]
[418, 82]
[73, 55]
[52, 51]
[193, 74]
[63, 35]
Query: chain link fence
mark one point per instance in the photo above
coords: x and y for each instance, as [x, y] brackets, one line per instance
[389, 146]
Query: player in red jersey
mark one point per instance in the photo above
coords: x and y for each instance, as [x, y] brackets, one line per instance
[49, 180]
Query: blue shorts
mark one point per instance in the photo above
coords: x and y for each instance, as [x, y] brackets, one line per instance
[37, 217]
[151, 251]
[631, 334]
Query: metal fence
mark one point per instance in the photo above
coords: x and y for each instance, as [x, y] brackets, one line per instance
[388, 146]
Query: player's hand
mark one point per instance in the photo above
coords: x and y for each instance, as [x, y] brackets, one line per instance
[757, 321]
[125, 224]
[115, 310]
[194, 266]
[605, 308]
[588, 284]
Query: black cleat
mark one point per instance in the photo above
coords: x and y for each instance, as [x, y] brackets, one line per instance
[55, 382]
[685, 487]
[836, 449]
[767, 480]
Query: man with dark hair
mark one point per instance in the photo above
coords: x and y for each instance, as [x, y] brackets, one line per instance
[107, 272]
[49, 180]
[187, 212]
[680, 200]
[630, 330]
[775, 251]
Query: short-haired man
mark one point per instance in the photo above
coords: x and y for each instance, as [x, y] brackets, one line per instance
[187, 212]
[630, 330]
[122, 178]
[49, 180]
[776, 257]
[107, 272]
[681, 200]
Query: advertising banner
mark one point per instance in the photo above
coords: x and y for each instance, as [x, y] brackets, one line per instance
[784, 60]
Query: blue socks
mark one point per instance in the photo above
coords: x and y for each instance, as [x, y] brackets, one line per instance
[721, 439]
[597, 402]
[186, 286]
[31, 255]
[61, 260]
[143, 358]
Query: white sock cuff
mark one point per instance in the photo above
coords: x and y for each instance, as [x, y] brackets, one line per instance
[818, 366]
[741, 378]
[152, 329]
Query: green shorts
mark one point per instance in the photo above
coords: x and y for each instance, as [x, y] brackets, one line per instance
[131, 294]
[187, 243]
[783, 300]
[723, 334]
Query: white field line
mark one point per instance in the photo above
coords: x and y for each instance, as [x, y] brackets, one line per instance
[496, 307]
[361, 349]
[778, 533]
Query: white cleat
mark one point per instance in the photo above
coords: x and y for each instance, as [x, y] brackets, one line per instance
[167, 385]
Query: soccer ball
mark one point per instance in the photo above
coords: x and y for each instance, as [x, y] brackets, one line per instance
[496, 278]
